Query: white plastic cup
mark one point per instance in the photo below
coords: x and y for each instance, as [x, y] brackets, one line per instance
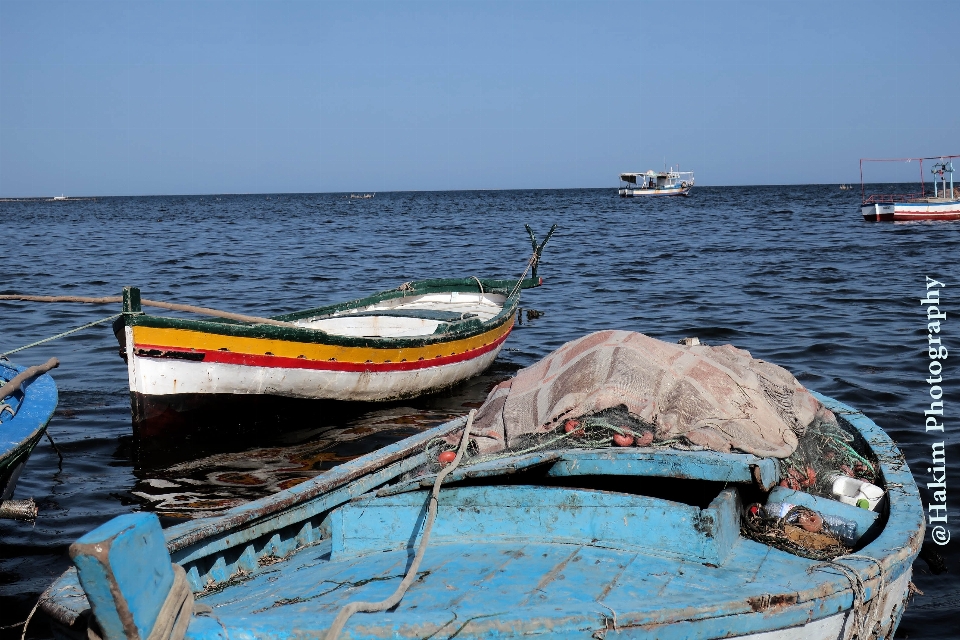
[858, 493]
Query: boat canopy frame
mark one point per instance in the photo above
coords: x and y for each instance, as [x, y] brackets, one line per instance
[943, 166]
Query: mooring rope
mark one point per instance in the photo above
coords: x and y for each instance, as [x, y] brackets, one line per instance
[171, 306]
[61, 335]
[479, 284]
[175, 612]
[372, 607]
[862, 614]
[516, 288]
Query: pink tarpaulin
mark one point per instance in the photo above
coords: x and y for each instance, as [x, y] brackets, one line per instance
[717, 397]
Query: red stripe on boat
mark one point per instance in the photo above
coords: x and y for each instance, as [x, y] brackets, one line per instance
[279, 362]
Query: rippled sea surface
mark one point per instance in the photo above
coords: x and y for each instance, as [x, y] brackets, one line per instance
[791, 274]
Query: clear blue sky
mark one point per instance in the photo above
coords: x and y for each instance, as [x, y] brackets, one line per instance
[125, 98]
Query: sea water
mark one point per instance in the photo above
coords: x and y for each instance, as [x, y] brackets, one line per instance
[792, 274]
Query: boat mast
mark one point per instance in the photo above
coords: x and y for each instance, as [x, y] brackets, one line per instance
[862, 192]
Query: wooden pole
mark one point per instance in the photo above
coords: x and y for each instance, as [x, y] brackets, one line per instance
[204, 311]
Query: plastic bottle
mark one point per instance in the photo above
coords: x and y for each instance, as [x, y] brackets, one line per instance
[844, 529]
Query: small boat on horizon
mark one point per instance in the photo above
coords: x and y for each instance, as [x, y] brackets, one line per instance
[652, 183]
[942, 204]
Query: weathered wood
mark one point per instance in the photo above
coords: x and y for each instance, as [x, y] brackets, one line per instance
[125, 570]
[670, 463]
[472, 516]
[516, 560]
[18, 509]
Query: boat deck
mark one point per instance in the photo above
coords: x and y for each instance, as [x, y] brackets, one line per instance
[478, 590]
[418, 315]
[548, 546]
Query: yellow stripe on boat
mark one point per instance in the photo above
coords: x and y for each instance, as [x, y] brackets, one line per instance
[153, 337]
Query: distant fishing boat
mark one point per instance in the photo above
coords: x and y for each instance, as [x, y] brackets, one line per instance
[942, 204]
[28, 398]
[653, 183]
[576, 535]
[418, 338]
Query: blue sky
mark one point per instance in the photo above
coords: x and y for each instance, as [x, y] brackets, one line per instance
[131, 98]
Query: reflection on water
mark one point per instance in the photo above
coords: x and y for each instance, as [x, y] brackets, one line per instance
[233, 454]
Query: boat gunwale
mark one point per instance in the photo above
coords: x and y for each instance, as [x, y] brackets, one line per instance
[34, 412]
[470, 328]
[900, 498]
[187, 534]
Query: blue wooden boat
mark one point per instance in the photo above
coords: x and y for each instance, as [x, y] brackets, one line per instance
[28, 398]
[639, 541]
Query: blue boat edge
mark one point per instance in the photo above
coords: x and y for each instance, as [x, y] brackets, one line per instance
[20, 434]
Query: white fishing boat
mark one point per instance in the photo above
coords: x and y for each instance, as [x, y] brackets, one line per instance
[942, 204]
[654, 183]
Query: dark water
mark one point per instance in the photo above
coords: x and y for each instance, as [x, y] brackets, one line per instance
[791, 274]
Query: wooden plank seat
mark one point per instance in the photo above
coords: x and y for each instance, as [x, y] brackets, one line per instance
[423, 314]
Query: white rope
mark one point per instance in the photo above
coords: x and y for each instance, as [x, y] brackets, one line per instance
[372, 607]
[479, 284]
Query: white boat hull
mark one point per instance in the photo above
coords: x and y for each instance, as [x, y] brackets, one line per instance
[168, 377]
[905, 211]
[642, 193]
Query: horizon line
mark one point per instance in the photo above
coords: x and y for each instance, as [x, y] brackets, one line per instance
[63, 198]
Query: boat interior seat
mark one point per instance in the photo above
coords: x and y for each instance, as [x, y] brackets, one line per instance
[614, 461]
[424, 314]
[498, 513]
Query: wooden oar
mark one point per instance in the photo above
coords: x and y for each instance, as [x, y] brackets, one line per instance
[154, 303]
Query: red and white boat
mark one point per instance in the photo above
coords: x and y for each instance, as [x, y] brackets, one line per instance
[942, 204]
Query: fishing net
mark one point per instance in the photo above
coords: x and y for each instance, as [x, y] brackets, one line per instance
[800, 531]
[609, 427]
[623, 389]
[718, 398]
[828, 449]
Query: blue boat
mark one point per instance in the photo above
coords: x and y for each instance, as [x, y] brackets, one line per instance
[28, 397]
[616, 541]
